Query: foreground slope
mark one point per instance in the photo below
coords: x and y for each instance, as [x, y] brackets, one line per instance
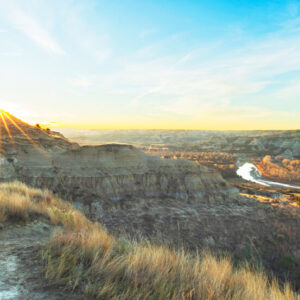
[92, 263]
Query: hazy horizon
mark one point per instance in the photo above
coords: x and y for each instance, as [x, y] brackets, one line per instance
[162, 129]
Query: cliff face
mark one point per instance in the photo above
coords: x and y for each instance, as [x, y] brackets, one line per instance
[117, 171]
[111, 172]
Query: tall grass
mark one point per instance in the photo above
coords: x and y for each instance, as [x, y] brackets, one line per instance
[20, 203]
[86, 258]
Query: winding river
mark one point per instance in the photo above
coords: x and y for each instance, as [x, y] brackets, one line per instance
[249, 172]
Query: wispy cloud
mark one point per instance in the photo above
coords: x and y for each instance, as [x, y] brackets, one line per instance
[11, 53]
[291, 91]
[81, 81]
[293, 8]
[247, 69]
[95, 44]
[35, 31]
[147, 32]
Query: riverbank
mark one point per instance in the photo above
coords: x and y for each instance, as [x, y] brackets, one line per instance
[250, 172]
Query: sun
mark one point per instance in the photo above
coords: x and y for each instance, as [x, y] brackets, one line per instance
[16, 111]
[9, 107]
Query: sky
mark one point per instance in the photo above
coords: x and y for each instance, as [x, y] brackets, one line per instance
[160, 64]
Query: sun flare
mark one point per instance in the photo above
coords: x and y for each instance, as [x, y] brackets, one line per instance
[19, 111]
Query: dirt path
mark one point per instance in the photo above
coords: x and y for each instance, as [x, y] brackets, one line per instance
[21, 273]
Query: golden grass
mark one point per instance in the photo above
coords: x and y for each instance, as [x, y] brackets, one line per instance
[85, 257]
[19, 202]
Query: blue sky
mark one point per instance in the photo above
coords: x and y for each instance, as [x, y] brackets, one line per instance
[152, 64]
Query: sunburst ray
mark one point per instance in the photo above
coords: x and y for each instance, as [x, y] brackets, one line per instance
[27, 136]
[0, 139]
[7, 129]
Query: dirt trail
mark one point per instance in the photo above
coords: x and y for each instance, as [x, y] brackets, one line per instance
[21, 273]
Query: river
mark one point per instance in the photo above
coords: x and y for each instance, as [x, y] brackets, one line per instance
[249, 172]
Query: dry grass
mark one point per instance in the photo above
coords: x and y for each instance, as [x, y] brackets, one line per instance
[21, 203]
[153, 272]
[85, 257]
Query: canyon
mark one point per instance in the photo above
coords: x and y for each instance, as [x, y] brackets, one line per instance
[180, 202]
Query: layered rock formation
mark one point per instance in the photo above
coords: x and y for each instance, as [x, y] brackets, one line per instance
[110, 172]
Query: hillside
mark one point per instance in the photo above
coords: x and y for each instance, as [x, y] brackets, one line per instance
[89, 262]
